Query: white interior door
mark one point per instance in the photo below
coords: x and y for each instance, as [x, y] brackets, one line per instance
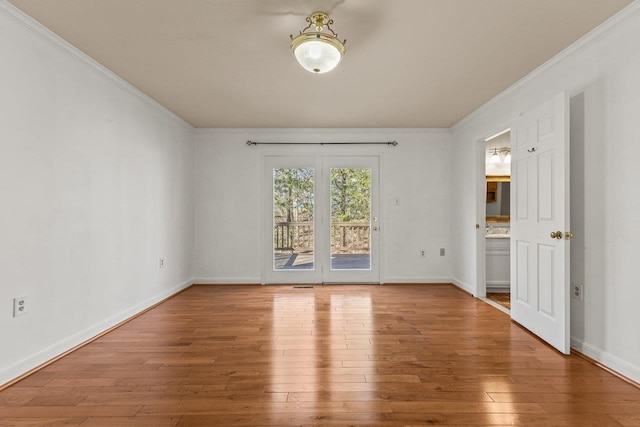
[539, 221]
[321, 219]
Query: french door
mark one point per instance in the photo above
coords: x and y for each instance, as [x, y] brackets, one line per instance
[321, 219]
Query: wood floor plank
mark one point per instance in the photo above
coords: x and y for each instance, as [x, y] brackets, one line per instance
[467, 407]
[137, 421]
[401, 355]
[565, 397]
[68, 411]
[39, 422]
[628, 420]
[513, 419]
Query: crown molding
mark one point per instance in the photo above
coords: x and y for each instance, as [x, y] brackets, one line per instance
[16, 15]
[602, 31]
[314, 131]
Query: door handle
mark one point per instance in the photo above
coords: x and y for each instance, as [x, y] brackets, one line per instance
[568, 235]
[375, 228]
[556, 235]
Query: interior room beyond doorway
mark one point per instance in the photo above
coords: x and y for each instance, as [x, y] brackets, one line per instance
[498, 230]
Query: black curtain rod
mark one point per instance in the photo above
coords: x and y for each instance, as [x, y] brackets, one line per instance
[394, 143]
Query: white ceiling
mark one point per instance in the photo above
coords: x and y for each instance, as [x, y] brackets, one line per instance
[409, 63]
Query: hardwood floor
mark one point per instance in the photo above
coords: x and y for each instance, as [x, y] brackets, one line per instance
[329, 356]
[504, 299]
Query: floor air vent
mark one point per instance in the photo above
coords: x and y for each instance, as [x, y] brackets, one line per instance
[303, 287]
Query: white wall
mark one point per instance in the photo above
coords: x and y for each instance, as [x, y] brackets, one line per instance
[95, 186]
[605, 66]
[229, 199]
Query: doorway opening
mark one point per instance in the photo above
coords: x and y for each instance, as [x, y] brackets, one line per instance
[498, 219]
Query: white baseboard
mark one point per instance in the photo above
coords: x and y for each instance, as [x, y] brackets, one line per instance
[258, 281]
[464, 286]
[499, 286]
[495, 290]
[612, 362]
[227, 281]
[413, 279]
[45, 355]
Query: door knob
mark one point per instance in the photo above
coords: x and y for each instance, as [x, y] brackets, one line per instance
[375, 228]
[568, 235]
[556, 235]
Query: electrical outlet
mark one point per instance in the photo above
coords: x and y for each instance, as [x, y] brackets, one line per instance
[577, 291]
[422, 253]
[19, 306]
[161, 263]
[441, 251]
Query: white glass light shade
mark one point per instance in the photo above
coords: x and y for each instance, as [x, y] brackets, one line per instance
[317, 52]
[507, 158]
[494, 159]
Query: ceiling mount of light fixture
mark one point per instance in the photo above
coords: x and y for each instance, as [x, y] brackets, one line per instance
[318, 51]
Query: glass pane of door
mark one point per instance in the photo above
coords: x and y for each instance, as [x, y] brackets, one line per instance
[350, 196]
[293, 211]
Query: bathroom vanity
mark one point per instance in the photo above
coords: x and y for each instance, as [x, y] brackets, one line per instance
[498, 247]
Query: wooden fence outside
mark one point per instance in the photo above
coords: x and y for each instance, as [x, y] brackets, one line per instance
[345, 236]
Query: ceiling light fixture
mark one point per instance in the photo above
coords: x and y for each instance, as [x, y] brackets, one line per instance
[318, 51]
